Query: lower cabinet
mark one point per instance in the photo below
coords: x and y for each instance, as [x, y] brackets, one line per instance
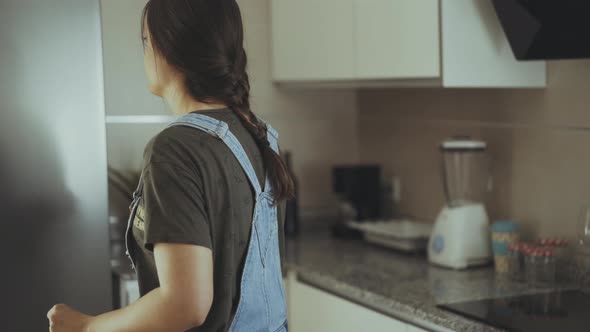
[412, 328]
[313, 310]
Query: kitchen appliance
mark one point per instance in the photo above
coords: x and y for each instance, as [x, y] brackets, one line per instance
[546, 29]
[358, 189]
[361, 186]
[460, 237]
[125, 285]
[543, 312]
[121, 185]
[53, 169]
[402, 235]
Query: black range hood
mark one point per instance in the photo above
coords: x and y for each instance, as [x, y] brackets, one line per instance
[546, 29]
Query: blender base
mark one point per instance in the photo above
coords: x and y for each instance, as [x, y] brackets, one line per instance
[460, 238]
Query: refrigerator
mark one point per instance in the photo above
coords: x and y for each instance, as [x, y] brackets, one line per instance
[54, 243]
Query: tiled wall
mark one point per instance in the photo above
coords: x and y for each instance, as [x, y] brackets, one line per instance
[539, 141]
[320, 127]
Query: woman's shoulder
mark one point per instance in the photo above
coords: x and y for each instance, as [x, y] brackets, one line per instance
[179, 145]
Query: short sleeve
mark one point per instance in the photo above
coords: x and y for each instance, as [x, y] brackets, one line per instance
[174, 207]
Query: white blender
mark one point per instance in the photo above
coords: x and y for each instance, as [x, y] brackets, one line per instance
[460, 237]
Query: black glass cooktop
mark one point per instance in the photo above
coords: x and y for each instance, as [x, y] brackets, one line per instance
[547, 312]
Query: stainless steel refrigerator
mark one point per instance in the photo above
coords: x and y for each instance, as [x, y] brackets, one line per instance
[54, 244]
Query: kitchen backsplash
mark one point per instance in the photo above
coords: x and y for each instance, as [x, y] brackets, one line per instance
[538, 139]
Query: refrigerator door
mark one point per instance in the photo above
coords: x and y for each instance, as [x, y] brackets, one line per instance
[53, 172]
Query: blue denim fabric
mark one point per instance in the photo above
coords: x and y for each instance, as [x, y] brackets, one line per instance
[262, 306]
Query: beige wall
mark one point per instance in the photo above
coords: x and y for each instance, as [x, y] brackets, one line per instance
[319, 127]
[539, 141]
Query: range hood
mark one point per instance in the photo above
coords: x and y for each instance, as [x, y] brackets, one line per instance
[546, 29]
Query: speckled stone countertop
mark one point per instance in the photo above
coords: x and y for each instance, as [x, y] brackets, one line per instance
[403, 286]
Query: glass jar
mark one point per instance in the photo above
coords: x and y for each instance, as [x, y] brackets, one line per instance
[540, 268]
[559, 246]
[517, 253]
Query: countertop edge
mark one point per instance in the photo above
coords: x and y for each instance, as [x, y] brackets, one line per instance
[393, 308]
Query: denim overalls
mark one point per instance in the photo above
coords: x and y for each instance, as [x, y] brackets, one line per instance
[262, 306]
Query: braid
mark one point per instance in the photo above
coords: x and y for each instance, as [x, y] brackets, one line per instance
[204, 41]
[282, 182]
[241, 106]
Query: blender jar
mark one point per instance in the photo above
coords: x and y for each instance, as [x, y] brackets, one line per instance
[466, 171]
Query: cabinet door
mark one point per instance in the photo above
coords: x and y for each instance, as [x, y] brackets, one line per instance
[312, 40]
[397, 39]
[412, 328]
[125, 83]
[313, 310]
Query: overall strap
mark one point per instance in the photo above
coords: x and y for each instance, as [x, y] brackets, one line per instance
[272, 136]
[273, 140]
[220, 129]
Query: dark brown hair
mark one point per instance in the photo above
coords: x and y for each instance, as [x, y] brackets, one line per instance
[204, 41]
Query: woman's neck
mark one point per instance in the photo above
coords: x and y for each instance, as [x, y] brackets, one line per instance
[181, 103]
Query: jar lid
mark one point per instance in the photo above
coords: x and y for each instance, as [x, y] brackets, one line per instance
[505, 226]
[553, 242]
[528, 250]
[540, 252]
[522, 246]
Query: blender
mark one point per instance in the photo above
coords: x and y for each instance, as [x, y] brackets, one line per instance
[460, 237]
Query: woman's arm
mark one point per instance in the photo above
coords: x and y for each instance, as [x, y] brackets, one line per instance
[182, 301]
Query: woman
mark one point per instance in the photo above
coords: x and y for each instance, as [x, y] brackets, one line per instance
[204, 233]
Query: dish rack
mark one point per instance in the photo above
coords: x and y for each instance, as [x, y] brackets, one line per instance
[403, 235]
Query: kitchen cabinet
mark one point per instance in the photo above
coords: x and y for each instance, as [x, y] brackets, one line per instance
[366, 43]
[392, 43]
[312, 40]
[412, 328]
[317, 311]
[126, 91]
[314, 310]
[133, 114]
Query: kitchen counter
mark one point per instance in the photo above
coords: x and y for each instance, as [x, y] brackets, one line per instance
[403, 286]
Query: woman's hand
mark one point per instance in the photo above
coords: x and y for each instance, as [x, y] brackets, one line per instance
[65, 319]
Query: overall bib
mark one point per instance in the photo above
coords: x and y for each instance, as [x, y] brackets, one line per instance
[262, 306]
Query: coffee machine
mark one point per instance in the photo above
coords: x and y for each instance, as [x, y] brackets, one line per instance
[358, 189]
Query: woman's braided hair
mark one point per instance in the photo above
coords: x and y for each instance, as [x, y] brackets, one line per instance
[204, 41]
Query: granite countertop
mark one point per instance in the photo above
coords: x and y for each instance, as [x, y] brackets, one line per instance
[403, 286]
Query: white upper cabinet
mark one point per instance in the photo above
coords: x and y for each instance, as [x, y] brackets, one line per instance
[397, 39]
[312, 40]
[359, 43]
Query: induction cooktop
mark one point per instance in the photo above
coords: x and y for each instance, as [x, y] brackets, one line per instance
[545, 312]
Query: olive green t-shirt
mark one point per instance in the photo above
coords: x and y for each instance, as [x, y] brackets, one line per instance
[195, 192]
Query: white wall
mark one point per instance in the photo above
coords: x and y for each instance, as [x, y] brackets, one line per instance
[319, 127]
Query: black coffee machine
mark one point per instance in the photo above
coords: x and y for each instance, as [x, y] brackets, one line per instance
[359, 189]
